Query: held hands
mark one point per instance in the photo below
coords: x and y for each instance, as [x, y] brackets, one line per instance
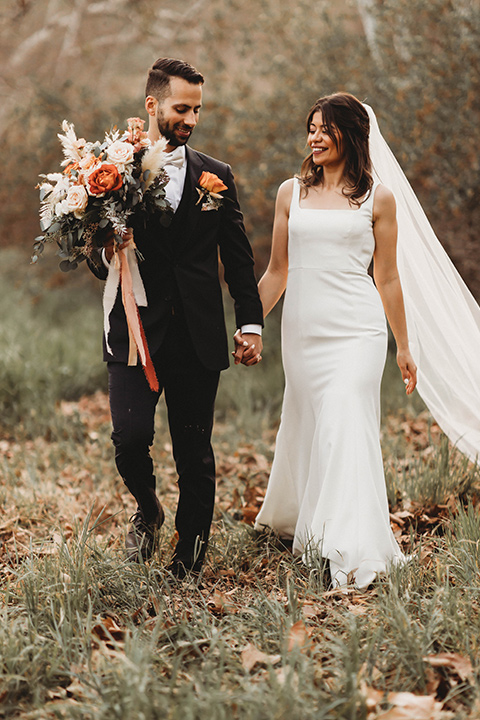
[408, 369]
[248, 348]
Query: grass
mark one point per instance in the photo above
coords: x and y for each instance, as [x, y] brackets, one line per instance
[260, 637]
[50, 339]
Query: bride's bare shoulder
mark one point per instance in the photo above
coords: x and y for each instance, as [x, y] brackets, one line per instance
[383, 202]
[383, 195]
[284, 194]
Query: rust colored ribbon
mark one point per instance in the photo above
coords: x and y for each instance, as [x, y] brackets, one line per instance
[136, 333]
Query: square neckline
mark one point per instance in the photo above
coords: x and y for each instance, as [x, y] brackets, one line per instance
[357, 209]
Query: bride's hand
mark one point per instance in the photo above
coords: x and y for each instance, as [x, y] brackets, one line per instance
[248, 348]
[408, 369]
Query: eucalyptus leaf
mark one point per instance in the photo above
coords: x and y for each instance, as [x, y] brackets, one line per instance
[147, 174]
[103, 223]
[67, 265]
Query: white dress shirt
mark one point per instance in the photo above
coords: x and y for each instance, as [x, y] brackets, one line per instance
[177, 175]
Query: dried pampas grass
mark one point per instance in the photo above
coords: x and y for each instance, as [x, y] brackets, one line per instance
[154, 160]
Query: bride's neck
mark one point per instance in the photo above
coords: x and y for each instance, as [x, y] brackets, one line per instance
[333, 179]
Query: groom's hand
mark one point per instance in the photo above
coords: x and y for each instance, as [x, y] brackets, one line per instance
[109, 242]
[248, 348]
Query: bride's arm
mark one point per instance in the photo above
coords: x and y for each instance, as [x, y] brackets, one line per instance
[274, 280]
[387, 280]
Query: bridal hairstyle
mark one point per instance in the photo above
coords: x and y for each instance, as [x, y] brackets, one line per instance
[343, 112]
[158, 81]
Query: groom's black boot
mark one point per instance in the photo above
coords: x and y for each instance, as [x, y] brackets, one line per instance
[142, 538]
[188, 558]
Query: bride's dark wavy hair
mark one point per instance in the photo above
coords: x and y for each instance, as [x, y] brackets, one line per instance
[345, 113]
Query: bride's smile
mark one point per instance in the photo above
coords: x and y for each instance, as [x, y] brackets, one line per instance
[326, 143]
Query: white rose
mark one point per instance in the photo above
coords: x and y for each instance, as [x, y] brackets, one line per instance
[120, 153]
[77, 200]
[61, 208]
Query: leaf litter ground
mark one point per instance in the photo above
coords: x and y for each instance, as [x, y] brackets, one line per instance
[406, 648]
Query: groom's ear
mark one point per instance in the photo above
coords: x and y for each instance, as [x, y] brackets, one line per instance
[151, 105]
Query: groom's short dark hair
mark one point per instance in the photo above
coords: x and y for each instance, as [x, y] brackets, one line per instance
[158, 81]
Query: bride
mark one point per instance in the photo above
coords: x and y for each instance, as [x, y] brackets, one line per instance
[327, 487]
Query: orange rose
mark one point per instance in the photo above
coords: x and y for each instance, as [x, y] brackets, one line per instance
[211, 182]
[70, 167]
[105, 178]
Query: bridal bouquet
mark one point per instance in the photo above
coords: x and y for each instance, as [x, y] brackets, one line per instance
[100, 186]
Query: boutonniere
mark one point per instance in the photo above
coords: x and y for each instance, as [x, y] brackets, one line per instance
[210, 187]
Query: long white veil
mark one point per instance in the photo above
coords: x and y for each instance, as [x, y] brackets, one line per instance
[443, 318]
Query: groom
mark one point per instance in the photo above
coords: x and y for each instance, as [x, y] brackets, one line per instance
[184, 325]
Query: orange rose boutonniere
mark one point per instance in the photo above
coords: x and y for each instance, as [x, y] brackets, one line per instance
[209, 191]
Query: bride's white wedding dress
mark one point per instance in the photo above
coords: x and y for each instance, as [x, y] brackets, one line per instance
[327, 486]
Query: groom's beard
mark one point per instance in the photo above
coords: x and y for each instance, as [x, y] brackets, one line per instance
[173, 132]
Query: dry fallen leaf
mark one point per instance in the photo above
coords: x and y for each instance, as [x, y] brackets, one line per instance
[372, 696]
[108, 630]
[407, 706]
[252, 656]
[299, 637]
[219, 604]
[460, 664]
[358, 609]
[249, 514]
[76, 689]
[312, 610]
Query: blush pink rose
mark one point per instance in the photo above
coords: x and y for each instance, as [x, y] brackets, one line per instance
[77, 200]
[120, 153]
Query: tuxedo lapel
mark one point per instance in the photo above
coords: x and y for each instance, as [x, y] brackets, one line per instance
[194, 170]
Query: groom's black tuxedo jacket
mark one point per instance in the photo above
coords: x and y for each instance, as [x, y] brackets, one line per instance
[180, 271]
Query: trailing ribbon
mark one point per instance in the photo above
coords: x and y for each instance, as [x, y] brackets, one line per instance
[123, 271]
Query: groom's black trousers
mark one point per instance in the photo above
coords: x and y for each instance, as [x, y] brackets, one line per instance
[190, 391]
